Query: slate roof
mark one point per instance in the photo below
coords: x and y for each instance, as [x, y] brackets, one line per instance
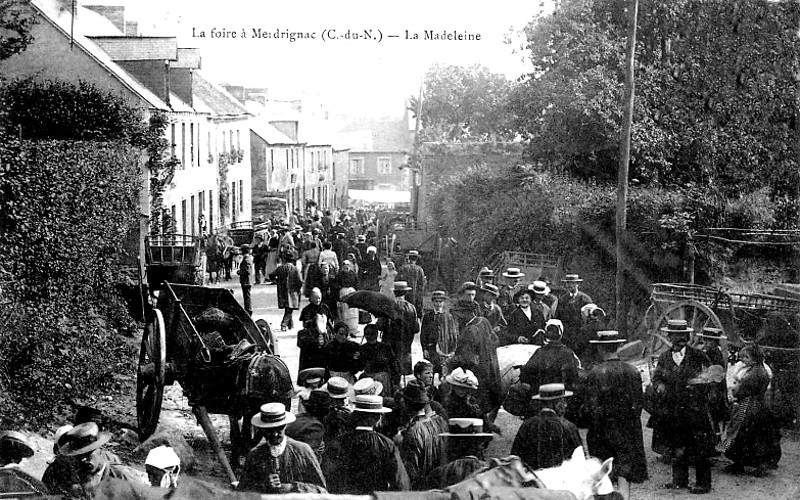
[378, 135]
[216, 99]
[270, 134]
[138, 48]
[61, 20]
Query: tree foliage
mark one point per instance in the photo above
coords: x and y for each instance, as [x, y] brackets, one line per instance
[715, 92]
[16, 22]
[66, 207]
[464, 104]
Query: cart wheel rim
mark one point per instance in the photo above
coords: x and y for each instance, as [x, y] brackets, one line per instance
[150, 374]
[696, 314]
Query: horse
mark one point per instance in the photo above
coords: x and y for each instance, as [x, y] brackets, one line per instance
[578, 478]
[213, 249]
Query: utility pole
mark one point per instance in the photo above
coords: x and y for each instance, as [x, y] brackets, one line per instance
[624, 162]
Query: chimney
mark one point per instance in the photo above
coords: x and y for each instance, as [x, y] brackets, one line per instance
[131, 28]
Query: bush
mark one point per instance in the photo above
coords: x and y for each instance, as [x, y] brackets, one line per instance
[65, 209]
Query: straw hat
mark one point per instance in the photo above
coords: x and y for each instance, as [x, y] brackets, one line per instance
[513, 272]
[272, 415]
[677, 326]
[549, 392]
[466, 427]
[492, 289]
[401, 286]
[711, 333]
[571, 278]
[485, 271]
[366, 386]
[439, 295]
[369, 403]
[608, 337]
[539, 288]
[337, 387]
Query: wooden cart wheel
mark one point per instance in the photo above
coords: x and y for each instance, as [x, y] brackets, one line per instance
[697, 316]
[150, 374]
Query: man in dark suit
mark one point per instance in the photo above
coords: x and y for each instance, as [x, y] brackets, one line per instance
[569, 309]
[684, 424]
[528, 318]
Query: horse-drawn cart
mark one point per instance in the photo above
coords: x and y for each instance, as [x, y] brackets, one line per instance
[740, 316]
[175, 258]
[203, 339]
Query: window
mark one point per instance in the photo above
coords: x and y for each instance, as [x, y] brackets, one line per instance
[272, 159]
[224, 149]
[170, 228]
[210, 211]
[172, 147]
[241, 196]
[198, 145]
[231, 135]
[183, 216]
[191, 143]
[193, 218]
[334, 171]
[313, 164]
[238, 140]
[209, 143]
[384, 166]
[287, 159]
[183, 145]
[357, 166]
[233, 205]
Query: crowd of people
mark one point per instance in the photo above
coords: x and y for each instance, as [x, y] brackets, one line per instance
[370, 420]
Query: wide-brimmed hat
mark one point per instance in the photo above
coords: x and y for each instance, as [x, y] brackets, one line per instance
[310, 376]
[82, 439]
[467, 285]
[272, 415]
[415, 393]
[710, 332]
[677, 326]
[590, 310]
[439, 294]
[462, 378]
[366, 386]
[401, 286]
[571, 278]
[513, 272]
[490, 288]
[337, 387]
[466, 427]
[413, 253]
[361, 237]
[608, 337]
[549, 392]
[539, 288]
[370, 403]
[17, 442]
[372, 249]
[485, 271]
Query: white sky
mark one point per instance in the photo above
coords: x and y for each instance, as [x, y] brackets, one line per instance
[351, 75]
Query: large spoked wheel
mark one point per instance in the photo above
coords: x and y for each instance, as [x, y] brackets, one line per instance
[150, 374]
[697, 316]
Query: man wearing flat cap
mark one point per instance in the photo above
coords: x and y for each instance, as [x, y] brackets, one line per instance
[14, 448]
[81, 463]
[367, 460]
[280, 464]
[547, 439]
[613, 408]
[489, 308]
[414, 276]
[439, 333]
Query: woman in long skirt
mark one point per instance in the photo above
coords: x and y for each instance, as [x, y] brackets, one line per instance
[387, 279]
[753, 435]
